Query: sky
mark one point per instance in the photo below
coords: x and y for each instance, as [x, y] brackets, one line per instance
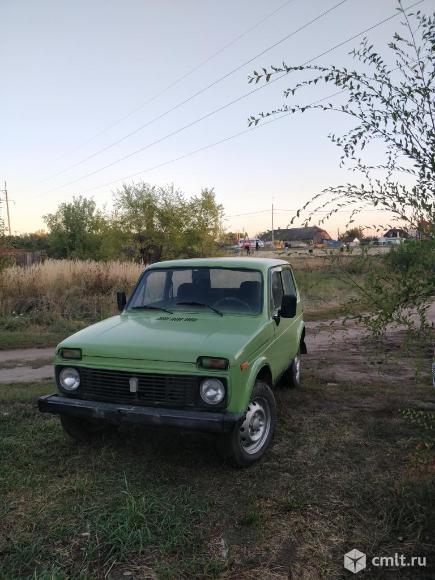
[80, 76]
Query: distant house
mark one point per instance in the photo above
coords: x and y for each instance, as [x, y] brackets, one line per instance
[396, 233]
[393, 236]
[295, 236]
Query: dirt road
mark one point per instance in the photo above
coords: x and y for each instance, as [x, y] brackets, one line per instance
[341, 353]
[23, 365]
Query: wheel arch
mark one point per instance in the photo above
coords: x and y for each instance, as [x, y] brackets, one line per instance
[259, 370]
[265, 374]
[302, 344]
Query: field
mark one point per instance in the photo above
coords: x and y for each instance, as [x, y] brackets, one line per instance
[41, 305]
[352, 464]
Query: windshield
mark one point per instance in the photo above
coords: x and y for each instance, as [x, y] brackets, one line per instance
[218, 290]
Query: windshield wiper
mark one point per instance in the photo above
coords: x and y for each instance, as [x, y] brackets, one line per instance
[194, 303]
[149, 307]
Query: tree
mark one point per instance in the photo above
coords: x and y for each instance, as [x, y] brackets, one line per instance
[75, 230]
[35, 241]
[392, 104]
[205, 225]
[159, 222]
[352, 233]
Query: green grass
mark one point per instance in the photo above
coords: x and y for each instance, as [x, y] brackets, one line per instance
[23, 332]
[12, 339]
[326, 295]
[76, 511]
[339, 476]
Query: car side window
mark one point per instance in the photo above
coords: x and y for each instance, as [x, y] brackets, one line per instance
[277, 289]
[288, 282]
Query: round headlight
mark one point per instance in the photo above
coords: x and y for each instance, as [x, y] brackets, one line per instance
[69, 379]
[212, 391]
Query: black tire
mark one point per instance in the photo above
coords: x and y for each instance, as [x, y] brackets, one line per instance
[293, 374]
[85, 430]
[250, 438]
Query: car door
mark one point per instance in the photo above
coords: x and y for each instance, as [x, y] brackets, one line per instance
[292, 337]
[281, 352]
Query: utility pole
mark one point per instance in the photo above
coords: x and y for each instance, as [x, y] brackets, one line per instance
[273, 233]
[5, 191]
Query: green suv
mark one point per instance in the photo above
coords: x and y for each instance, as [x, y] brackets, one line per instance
[200, 344]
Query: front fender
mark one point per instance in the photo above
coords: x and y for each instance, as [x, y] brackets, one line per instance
[247, 382]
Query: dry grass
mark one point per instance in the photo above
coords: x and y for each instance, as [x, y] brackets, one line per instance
[65, 288]
[42, 304]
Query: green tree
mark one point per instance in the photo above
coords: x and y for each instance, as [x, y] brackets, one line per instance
[75, 230]
[401, 283]
[391, 101]
[204, 227]
[390, 104]
[160, 222]
[34, 241]
[352, 233]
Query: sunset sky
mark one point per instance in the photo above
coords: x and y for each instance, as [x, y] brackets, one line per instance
[77, 77]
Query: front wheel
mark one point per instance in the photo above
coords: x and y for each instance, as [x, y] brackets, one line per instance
[253, 434]
[84, 430]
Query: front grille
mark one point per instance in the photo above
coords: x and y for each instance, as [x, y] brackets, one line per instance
[152, 389]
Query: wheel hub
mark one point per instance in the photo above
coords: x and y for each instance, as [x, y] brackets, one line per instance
[255, 427]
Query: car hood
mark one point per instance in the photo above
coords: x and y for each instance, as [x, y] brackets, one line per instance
[180, 337]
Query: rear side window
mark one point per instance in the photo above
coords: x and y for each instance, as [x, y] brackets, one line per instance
[288, 282]
[277, 289]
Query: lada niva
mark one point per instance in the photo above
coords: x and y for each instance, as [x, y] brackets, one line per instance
[200, 344]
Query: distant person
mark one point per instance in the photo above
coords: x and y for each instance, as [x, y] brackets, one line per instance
[257, 246]
[248, 248]
[286, 247]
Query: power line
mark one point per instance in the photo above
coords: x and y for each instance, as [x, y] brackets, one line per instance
[228, 138]
[249, 213]
[197, 93]
[190, 153]
[276, 210]
[177, 81]
[204, 147]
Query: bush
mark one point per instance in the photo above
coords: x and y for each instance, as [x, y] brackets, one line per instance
[400, 288]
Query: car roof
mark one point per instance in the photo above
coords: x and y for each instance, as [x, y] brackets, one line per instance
[252, 263]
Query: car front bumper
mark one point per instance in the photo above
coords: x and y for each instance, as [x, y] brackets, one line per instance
[136, 414]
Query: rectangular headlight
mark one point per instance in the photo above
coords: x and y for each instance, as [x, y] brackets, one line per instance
[209, 362]
[71, 353]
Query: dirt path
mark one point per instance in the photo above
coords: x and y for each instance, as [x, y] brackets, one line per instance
[338, 353]
[26, 354]
[24, 365]
[25, 374]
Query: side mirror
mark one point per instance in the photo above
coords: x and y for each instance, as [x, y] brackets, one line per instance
[288, 306]
[121, 299]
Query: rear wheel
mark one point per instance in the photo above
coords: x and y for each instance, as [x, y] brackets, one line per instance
[293, 375]
[85, 430]
[253, 434]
